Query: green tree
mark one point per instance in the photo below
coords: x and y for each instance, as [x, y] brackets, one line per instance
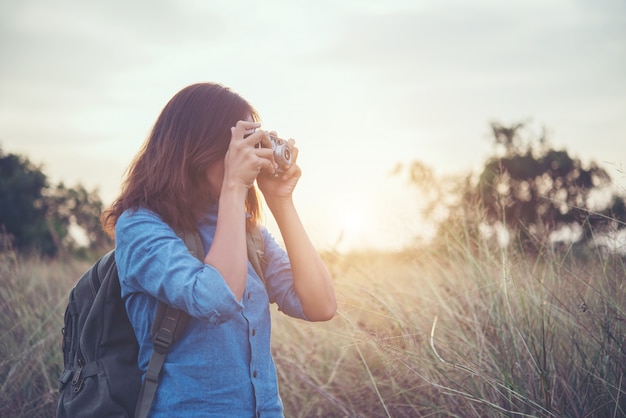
[527, 187]
[74, 207]
[536, 190]
[22, 208]
[44, 218]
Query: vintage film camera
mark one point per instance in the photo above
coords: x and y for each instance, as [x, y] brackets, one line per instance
[282, 153]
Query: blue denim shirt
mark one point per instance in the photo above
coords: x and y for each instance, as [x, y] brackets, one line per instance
[222, 366]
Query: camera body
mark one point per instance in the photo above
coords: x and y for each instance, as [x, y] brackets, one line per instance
[282, 153]
[280, 148]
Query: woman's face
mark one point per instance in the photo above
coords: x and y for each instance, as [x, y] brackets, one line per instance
[215, 175]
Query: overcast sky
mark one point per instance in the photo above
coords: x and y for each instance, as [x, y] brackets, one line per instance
[360, 84]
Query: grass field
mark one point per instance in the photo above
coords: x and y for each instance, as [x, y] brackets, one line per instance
[461, 330]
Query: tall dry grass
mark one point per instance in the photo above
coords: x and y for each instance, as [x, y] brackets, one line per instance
[33, 294]
[468, 330]
[465, 329]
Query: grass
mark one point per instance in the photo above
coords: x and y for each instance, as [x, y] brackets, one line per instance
[471, 331]
[465, 329]
[33, 294]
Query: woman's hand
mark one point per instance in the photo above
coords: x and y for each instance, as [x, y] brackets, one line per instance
[277, 186]
[311, 279]
[241, 166]
[244, 159]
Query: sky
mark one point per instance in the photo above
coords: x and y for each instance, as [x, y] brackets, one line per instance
[362, 85]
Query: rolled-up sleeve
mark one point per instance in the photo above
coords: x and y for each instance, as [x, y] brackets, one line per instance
[279, 276]
[153, 260]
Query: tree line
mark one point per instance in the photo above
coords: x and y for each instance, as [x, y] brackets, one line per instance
[527, 187]
[43, 218]
[539, 195]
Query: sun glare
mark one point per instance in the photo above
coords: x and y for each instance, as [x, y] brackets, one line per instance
[353, 222]
[354, 229]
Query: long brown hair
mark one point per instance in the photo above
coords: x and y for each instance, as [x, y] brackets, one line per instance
[168, 174]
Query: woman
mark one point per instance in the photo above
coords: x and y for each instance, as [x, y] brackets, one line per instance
[196, 171]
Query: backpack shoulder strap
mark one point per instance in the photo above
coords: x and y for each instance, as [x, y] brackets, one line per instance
[168, 325]
[256, 251]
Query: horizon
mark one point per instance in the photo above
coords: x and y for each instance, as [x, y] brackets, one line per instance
[361, 86]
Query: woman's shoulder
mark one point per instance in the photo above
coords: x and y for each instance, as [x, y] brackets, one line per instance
[138, 213]
[137, 217]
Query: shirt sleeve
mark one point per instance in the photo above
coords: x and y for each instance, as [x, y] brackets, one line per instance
[152, 259]
[279, 277]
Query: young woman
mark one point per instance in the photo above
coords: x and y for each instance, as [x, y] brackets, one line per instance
[196, 171]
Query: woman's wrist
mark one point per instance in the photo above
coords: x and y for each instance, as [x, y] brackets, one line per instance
[234, 189]
[279, 205]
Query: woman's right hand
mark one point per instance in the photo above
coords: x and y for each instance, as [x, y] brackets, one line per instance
[241, 166]
[244, 160]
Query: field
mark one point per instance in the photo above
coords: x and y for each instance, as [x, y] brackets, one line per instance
[462, 330]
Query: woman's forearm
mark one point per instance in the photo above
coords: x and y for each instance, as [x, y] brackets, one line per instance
[228, 251]
[312, 280]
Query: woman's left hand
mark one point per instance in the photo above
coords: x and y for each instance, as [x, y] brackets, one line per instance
[312, 281]
[281, 185]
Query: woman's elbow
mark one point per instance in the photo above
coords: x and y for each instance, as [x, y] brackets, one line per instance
[326, 312]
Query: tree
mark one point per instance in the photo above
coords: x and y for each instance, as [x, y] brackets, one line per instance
[78, 208]
[527, 188]
[44, 218]
[22, 209]
[535, 190]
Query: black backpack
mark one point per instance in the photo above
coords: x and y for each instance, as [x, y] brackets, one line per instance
[101, 377]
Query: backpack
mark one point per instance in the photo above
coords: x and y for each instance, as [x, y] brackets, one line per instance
[101, 377]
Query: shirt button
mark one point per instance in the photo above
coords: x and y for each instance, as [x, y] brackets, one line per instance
[254, 374]
[248, 295]
[214, 317]
[253, 332]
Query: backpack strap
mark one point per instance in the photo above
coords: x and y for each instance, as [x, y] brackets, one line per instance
[256, 254]
[168, 325]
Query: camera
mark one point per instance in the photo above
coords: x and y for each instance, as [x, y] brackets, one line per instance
[280, 148]
[282, 153]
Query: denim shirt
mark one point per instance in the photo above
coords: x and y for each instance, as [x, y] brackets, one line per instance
[222, 365]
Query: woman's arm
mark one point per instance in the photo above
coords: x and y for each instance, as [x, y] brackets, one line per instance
[153, 260]
[312, 281]
[231, 181]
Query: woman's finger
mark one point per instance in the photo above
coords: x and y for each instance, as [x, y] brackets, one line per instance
[243, 128]
[259, 138]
